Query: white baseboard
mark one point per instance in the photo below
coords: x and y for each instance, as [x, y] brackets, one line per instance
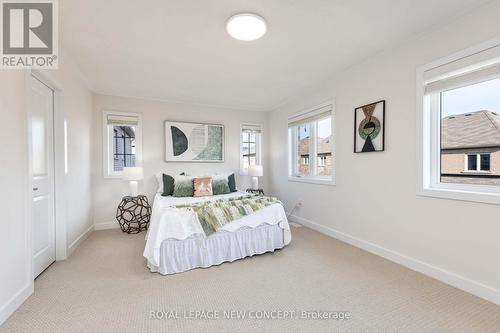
[106, 225]
[455, 280]
[72, 247]
[15, 302]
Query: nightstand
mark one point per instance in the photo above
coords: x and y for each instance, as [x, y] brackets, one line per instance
[257, 191]
[133, 214]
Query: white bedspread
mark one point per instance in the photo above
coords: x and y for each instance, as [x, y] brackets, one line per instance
[168, 222]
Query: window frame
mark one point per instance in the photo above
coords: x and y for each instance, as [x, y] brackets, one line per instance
[107, 143]
[259, 139]
[293, 154]
[429, 141]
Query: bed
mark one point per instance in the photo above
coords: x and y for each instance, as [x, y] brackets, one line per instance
[176, 241]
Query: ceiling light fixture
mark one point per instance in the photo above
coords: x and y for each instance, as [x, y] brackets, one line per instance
[246, 26]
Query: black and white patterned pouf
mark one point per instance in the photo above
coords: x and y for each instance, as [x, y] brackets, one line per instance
[133, 214]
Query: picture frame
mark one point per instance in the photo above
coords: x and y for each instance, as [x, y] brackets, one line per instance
[194, 142]
[369, 127]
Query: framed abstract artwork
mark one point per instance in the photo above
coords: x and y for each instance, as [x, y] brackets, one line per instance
[194, 142]
[369, 127]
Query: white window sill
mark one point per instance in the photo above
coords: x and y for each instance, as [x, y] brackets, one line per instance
[474, 193]
[119, 176]
[476, 172]
[320, 181]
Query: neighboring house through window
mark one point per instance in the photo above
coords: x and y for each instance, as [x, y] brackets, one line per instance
[250, 146]
[310, 138]
[123, 147]
[122, 142]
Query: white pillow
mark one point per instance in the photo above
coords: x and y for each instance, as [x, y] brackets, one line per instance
[159, 178]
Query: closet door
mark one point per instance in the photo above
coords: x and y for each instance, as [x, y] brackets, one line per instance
[41, 123]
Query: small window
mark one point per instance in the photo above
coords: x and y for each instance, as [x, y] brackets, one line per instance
[250, 146]
[322, 160]
[478, 162]
[122, 133]
[310, 139]
[472, 162]
[485, 162]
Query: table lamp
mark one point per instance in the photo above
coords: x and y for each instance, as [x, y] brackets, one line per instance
[255, 171]
[133, 175]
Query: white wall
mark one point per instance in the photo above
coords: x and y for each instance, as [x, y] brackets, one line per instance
[77, 108]
[108, 192]
[16, 283]
[374, 204]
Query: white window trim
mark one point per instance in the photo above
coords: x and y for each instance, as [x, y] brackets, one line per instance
[107, 144]
[292, 164]
[428, 142]
[259, 158]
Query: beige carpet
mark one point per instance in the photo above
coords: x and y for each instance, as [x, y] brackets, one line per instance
[105, 287]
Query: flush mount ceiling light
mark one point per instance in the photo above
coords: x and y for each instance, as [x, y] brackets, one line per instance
[246, 26]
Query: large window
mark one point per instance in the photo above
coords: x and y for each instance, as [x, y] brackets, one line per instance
[122, 133]
[461, 126]
[250, 146]
[310, 139]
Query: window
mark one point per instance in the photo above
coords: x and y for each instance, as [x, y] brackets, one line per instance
[322, 160]
[250, 146]
[478, 162]
[484, 162]
[472, 162]
[460, 124]
[123, 147]
[310, 140]
[122, 133]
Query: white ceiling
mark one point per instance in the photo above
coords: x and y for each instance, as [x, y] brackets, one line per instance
[179, 50]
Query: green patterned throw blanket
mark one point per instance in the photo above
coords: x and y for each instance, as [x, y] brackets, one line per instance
[213, 215]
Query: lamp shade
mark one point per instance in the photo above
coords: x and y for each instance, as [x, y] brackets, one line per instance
[132, 173]
[255, 171]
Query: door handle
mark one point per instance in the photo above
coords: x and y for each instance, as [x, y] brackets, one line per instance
[35, 188]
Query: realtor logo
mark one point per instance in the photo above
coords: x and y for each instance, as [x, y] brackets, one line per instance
[29, 34]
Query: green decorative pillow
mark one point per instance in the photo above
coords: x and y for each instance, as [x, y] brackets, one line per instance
[231, 182]
[168, 185]
[183, 186]
[220, 185]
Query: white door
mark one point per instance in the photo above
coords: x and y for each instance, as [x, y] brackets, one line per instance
[42, 173]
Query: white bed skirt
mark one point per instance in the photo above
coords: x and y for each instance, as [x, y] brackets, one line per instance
[182, 255]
